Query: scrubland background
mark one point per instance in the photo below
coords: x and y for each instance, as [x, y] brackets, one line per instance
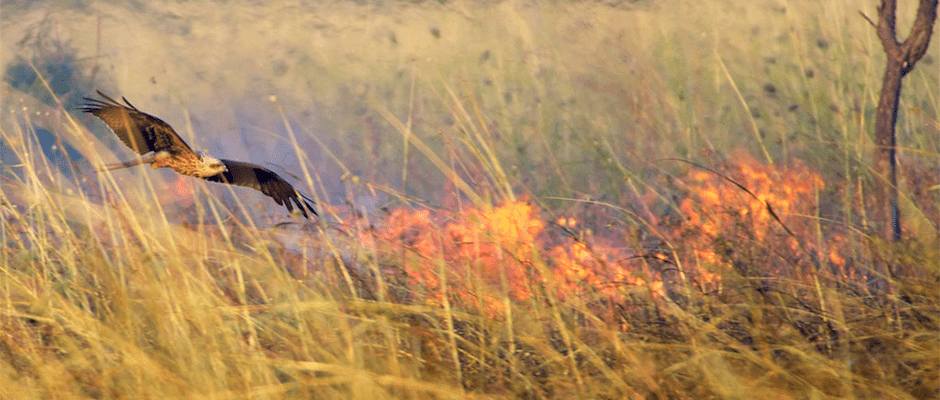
[512, 196]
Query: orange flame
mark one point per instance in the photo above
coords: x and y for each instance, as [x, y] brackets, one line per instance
[491, 251]
[716, 210]
[479, 257]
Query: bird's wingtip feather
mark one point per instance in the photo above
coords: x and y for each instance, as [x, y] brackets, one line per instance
[302, 209]
[106, 97]
[129, 103]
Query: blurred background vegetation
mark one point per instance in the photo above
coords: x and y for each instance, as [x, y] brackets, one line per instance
[571, 94]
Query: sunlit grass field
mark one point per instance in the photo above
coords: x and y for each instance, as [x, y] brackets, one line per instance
[598, 200]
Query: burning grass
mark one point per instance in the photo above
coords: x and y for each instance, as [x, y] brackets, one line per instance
[519, 234]
[726, 296]
[721, 298]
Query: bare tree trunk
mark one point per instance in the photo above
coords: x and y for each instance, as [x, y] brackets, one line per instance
[901, 58]
[886, 139]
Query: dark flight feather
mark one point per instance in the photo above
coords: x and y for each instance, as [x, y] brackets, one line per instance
[267, 182]
[140, 131]
[145, 133]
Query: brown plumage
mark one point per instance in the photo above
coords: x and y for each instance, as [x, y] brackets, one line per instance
[162, 147]
[267, 182]
[140, 131]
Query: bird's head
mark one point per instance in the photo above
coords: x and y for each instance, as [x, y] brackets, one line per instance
[210, 165]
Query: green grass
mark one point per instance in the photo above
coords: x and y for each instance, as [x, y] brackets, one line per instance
[112, 287]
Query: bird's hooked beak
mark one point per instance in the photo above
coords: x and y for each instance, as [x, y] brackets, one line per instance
[212, 162]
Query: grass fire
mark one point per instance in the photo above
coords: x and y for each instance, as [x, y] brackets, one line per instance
[636, 199]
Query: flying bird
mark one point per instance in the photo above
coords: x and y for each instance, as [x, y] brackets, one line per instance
[161, 147]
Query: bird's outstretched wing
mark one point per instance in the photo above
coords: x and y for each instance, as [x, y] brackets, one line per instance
[140, 131]
[267, 182]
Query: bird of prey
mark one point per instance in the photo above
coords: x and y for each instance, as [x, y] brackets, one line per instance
[162, 147]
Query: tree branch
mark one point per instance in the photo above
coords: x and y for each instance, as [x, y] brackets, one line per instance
[870, 22]
[887, 31]
[915, 46]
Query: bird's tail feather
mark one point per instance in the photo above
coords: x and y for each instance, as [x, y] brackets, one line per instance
[125, 164]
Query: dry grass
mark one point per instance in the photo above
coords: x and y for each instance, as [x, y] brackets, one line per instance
[500, 217]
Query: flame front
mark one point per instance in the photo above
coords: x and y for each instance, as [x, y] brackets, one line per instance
[480, 257]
